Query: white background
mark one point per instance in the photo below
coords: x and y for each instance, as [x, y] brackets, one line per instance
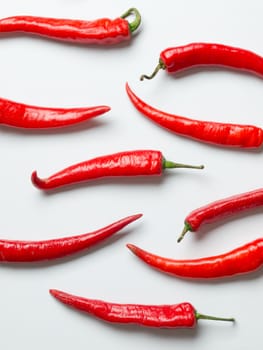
[46, 73]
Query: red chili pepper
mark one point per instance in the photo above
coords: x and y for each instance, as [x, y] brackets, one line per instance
[175, 59]
[32, 251]
[100, 31]
[34, 117]
[181, 315]
[223, 134]
[244, 259]
[220, 209]
[128, 163]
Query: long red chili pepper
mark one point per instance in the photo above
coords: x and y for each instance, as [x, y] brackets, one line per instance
[175, 59]
[128, 163]
[34, 117]
[181, 315]
[99, 31]
[223, 134]
[32, 251]
[220, 209]
[244, 259]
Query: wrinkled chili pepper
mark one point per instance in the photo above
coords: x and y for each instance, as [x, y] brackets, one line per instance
[181, 315]
[222, 134]
[32, 251]
[34, 117]
[128, 163]
[241, 260]
[99, 31]
[220, 209]
[176, 59]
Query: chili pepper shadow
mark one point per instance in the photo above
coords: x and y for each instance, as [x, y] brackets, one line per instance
[74, 45]
[162, 334]
[68, 258]
[222, 148]
[211, 69]
[214, 282]
[77, 128]
[139, 181]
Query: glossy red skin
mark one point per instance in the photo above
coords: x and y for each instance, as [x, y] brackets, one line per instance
[128, 163]
[161, 316]
[241, 260]
[100, 31]
[211, 54]
[34, 251]
[224, 208]
[33, 117]
[222, 134]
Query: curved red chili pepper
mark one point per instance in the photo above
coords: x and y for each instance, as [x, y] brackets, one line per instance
[32, 251]
[181, 315]
[175, 59]
[222, 134]
[128, 163]
[241, 260]
[220, 209]
[100, 31]
[34, 117]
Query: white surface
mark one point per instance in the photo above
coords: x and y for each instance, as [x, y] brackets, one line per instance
[48, 73]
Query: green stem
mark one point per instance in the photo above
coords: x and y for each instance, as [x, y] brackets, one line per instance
[137, 20]
[160, 65]
[213, 318]
[167, 164]
[186, 229]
